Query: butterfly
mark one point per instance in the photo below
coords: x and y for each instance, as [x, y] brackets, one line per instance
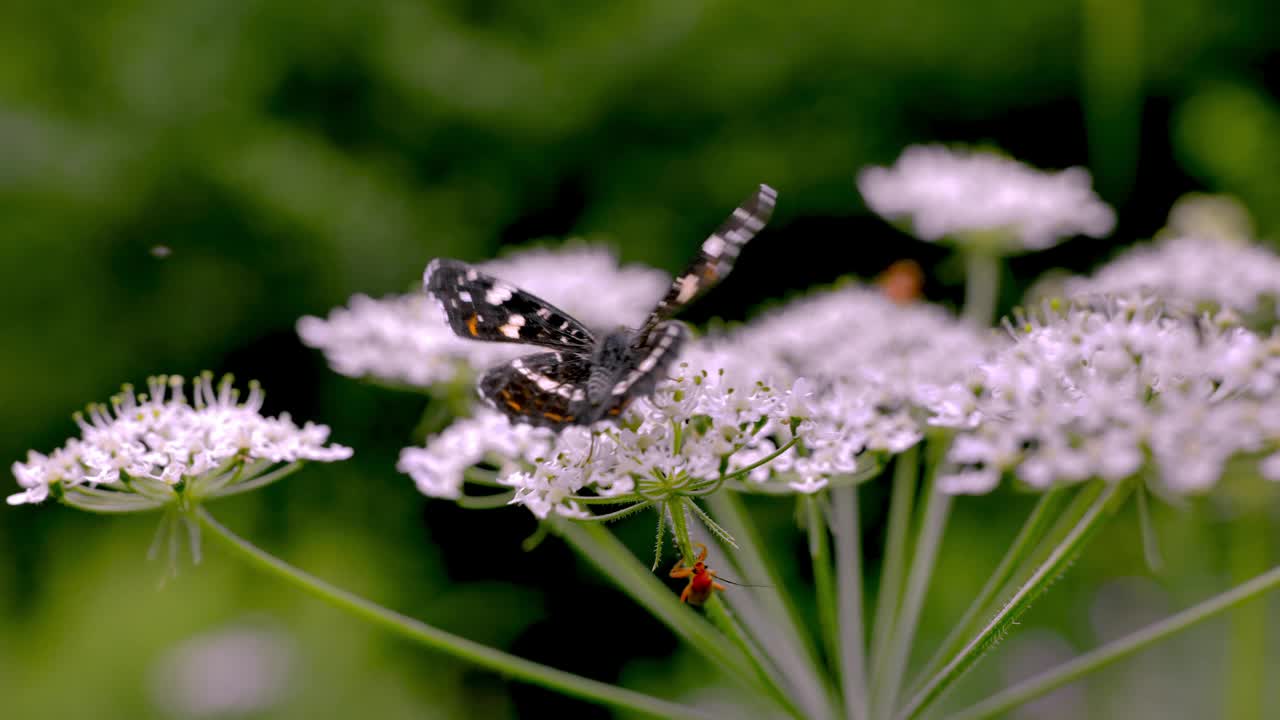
[584, 378]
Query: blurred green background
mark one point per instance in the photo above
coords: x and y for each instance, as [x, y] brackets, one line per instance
[290, 154]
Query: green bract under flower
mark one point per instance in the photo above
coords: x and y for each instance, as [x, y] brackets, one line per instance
[151, 450]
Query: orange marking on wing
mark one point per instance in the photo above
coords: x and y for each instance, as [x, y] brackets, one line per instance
[513, 405]
[553, 417]
[471, 325]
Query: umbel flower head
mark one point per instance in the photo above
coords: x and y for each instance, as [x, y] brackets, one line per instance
[401, 340]
[982, 198]
[1116, 387]
[1212, 272]
[785, 388]
[706, 426]
[154, 450]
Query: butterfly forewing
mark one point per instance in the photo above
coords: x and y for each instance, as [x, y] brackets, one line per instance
[480, 306]
[547, 389]
[716, 256]
[585, 379]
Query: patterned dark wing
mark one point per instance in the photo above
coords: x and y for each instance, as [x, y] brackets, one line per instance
[715, 257]
[480, 306]
[547, 389]
[651, 355]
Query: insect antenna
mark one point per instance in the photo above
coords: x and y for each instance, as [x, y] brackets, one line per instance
[740, 584]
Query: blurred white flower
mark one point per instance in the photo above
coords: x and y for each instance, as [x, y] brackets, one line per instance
[1092, 390]
[980, 197]
[149, 450]
[1216, 272]
[901, 359]
[242, 670]
[404, 339]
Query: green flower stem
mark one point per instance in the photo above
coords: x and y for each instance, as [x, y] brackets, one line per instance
[936, 511]
[766, 673]
[486, 502]
[981, 284]
[853, 652]
[680, 528]
[1247, 668]
[824, 580]
[1105, 507]
[906, 471]
[407, 627]
[260, 481]
[599, 547]
[1033, 530]
[770, 616]
[1116, 650]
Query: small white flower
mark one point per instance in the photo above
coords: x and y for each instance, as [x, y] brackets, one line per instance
[706, 417]
[154, 449]
[969, 196]
[1093, 390]
[404, 340]
[1215, 272]
[901, 360]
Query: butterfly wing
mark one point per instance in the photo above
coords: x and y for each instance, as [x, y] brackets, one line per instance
[716, 256]
[546, 390]
[651, 355]
[480, 306]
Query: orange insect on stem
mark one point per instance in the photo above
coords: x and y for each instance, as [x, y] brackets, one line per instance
[701, 578]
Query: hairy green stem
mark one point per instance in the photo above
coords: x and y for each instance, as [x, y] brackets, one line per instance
[1105, 507]
[905, 475]
[937, 509]
[981, 285]
[1247, 668]
[769, 614]
[1033, 530]
[824, 581]
[766, 673]
[1116, 650]
[853, 651]
[423, 634]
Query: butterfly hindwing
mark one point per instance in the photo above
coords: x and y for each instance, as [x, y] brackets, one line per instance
[546, 390]
[480, 306]
[652, 354]
[586, 379]
[716, 256]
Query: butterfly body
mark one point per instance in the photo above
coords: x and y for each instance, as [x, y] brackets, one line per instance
[585, 378]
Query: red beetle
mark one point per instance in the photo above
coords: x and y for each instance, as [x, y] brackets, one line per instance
[701, 578]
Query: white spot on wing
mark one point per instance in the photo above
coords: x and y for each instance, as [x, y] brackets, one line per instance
[713, 246]
[512, 328]
[497, 294]
[688, 287]
[464, 296]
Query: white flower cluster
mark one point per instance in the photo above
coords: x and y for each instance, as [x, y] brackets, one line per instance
[403, 339]
[973, 196]
[145, 449]
[903, 354]
[1093, 389]
[845, 370]
[706, 421]
[1217, 272]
